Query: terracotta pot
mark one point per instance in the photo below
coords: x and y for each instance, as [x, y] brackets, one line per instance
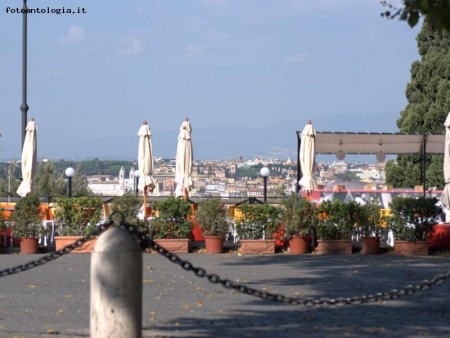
[334, 247]
[213, 244]
[29, 245]
[410, 248]
[174, 245]
[370, 245]
[63, 241]
[257, 246]
[299, 245]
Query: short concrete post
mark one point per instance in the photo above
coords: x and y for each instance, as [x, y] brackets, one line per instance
[116, 286]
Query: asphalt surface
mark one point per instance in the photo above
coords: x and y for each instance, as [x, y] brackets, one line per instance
[53, 300]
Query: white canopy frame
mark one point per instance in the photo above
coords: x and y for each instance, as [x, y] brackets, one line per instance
[369, 143]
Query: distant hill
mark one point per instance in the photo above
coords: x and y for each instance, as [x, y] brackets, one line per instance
[220, 142]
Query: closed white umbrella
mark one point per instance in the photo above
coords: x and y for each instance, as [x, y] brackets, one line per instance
[308, 158]
[29, 159]
[184, 160]
[145, 162]
[445, 197]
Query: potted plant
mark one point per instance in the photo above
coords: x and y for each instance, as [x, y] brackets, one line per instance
[337, 221]
[256, 227]
[77, 217]
[412, 222]
[27, 224]
[212, 217]
[372, 224]
[299, 217]
[127, 206]
[171, 227]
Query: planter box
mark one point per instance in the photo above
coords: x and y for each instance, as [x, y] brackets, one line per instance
[334, 247]
[174, 245]
[257, 246]
[410, 248]
[62, 241]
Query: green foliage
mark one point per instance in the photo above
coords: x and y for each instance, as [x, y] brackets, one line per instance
[95, 166]
[171, 220]
[413, 219]
[435, 12]
[248, 173]
[128, 205]
[48, 181]
[427, 108]
[337, 220]
[78, 215]
[80, 186]
[2, 220]
[27, 218]
[372, 220]
[299, 216]
[13, 180]
[258, 220]
[212, 217]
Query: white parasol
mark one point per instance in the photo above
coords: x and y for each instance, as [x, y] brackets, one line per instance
[145, 161]
[184, 160]
[29, 159]
[445, 197]
[308, 158]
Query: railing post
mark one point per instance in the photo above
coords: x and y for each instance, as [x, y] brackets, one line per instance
[116, 286]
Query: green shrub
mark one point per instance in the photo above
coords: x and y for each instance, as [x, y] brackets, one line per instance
[258, 221]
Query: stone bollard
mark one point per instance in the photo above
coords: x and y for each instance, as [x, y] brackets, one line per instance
[116, 286]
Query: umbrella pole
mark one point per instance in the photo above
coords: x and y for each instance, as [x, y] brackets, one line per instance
[185, 195]
[145, 203]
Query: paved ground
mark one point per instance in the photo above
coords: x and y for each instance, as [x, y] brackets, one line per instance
[53, 300]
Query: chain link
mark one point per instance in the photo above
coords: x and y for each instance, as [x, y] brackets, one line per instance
[228, 284]
[307, 302]
[54, 255]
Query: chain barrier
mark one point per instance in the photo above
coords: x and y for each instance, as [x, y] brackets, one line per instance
[54, 255]
[228, 284]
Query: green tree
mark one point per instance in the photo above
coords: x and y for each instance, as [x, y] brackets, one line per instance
[427, 108]
[436, 12]
[48, 181]
[12, 183]
[80, 186]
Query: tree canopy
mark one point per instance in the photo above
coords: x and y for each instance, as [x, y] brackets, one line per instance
[435, 12]
[427, 107]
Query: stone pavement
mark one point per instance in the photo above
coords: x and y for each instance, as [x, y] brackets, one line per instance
[53, 300]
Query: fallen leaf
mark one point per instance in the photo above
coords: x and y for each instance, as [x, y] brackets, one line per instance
[147, 281]
[32, 286]
[199, 303]
[52, 331]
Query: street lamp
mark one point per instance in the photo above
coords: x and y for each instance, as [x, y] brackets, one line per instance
[265, 172]
[136, 176]
[24, 106]
[70, 173]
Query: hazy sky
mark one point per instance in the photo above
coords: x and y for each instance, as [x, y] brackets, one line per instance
[237, 67]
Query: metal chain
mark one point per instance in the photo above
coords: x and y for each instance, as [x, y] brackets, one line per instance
[228, 284]
[54, 255]
[308, 302]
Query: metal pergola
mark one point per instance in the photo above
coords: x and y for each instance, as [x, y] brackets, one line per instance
[357, 143]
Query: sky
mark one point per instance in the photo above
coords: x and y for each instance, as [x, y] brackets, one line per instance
[247, 73]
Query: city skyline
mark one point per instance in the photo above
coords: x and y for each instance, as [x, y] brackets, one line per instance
[248, 75]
